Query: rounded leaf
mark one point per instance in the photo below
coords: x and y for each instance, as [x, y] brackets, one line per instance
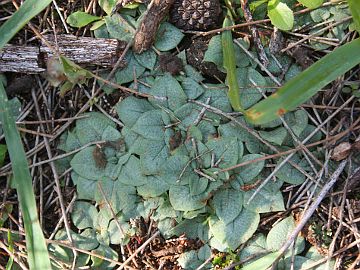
[168, 37]
[80, 19]
[281, 15]
[280, 232]
[311, 3]
[236, 232]
[84, 215]
[227, 204]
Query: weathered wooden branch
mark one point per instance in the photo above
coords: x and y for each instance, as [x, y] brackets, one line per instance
[146, 33]
[85, 51]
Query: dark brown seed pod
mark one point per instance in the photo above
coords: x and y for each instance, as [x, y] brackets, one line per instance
[195, 14]
[170, 63]
[195, 56]
[99, 157]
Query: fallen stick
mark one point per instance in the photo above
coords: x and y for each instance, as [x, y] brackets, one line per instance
[85, 51]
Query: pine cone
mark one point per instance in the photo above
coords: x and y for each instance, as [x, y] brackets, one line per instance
[195, 14]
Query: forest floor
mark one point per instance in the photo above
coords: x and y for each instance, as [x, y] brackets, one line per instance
[51, 116]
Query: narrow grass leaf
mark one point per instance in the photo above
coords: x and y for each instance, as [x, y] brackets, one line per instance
[38, 257]
[306, 84]
[10, 262]
[3, 150]
[354, 6]
[229, 65]
[28, 10]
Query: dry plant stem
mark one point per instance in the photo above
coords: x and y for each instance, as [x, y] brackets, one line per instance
[307, 187]
[316, 33]
[232, 27]
[34, 132]
[272, 77]
[247, 259]
[356, 263]
[148, 27]
[50, 121]
[123, 88]
[256, 135]
[208, 260]
[102, 110]
[311, 266]
[117, 64]
[139, 250]
[298, 148]
[202, 112]
[304, 150]
[337, 219]
[55, 174]
[57, 227]
[254, 33]
[317, 39]
[65, 155]
[287, 159]
[253, 133]
[341, 216]
[20, 263]
[61, 17]
[307, 215]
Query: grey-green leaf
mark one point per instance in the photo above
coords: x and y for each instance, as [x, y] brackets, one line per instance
[248, 172]
[131, 108]
[228, 204]
[130, 173]
[265, 201]
[132, 70]
[150, 125]
[84, 215]
[168, 92]
[236, 232]
[279, 233]
[119, 28]
[167, 37]
[181, 199]
[91, 128]
[227, 150]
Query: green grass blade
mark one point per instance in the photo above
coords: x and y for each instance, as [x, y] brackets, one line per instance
[306, 84]
[38, 257]
[11, 248]
[229, 65]
[28, 10]
[354, 6]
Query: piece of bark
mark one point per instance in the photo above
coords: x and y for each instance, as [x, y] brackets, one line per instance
[20, 59]
[145, 35]
[85, 51]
